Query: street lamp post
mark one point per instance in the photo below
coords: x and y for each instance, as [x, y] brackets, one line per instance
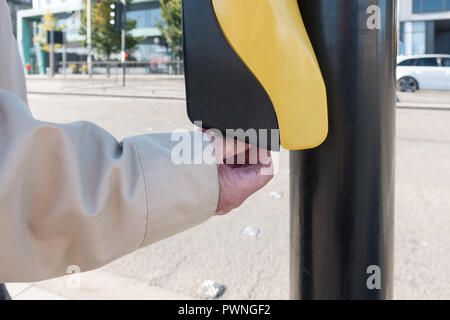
[89, 37]
[124, 31]
[342, 193]
[51, 52]
[64, 54]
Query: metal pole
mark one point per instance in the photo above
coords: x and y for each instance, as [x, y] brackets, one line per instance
[342, 193]
[124, 32]
[89, 36]
[52, 53]
[64, 55]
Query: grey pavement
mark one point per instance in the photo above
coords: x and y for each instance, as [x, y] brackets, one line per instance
[424, 99]
[257, 267]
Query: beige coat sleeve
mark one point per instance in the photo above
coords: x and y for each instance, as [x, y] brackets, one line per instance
[73, 195]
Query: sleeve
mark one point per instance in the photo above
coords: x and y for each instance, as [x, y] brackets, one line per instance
[73, 195]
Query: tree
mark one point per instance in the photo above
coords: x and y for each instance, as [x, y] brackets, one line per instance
[48, 24]
[172, 30]
[106, 40]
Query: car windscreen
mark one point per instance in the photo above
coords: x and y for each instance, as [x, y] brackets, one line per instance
[420, 62]
[408, 62]
[426, 62]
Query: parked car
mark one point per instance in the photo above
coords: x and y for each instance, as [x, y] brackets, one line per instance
[423, 72]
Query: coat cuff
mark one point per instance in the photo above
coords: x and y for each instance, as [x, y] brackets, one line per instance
[181, 182]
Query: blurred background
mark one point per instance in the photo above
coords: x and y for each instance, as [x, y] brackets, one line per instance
[126, 75]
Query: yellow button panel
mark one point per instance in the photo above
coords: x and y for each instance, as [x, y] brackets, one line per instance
[270, 38]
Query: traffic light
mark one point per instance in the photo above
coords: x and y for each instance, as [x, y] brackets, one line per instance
[116, 15]
[58, 37]
[251, 67]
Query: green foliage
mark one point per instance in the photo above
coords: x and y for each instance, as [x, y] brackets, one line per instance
[48, 24]
[106, 40]
[172, 30]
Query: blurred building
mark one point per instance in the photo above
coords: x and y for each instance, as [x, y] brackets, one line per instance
[14, 6]
[424, 26]
[67, 13]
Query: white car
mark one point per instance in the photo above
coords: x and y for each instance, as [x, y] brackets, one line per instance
[423, 72]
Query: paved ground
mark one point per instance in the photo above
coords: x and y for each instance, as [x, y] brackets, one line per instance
[257, 268]
[136, 85]
[430, 99]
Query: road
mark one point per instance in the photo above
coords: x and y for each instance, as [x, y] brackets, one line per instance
[257, 267]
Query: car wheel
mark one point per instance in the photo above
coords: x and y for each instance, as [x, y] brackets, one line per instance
[407, 84]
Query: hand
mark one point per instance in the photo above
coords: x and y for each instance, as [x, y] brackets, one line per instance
[239, 181]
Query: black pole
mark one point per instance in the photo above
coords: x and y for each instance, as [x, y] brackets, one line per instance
[342, 193]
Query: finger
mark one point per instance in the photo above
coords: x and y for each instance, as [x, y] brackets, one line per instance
[254, 155]
[234, 147]
[258, 155]
[226, 147]
[217, 141]
[234, 152]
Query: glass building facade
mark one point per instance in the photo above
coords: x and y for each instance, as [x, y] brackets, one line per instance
[145, 18]
[146, 13]
[14, 6]
[424, 27]
[414, 37]
[422, 6]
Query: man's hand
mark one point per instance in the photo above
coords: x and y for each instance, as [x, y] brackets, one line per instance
[242, 170]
